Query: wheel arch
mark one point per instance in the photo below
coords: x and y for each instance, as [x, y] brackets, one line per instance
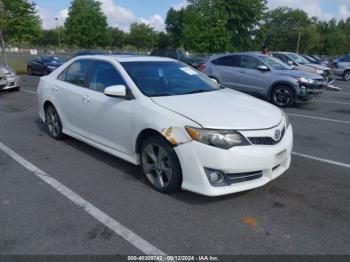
[143, 135]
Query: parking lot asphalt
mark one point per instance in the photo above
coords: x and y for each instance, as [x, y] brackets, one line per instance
[305, 211]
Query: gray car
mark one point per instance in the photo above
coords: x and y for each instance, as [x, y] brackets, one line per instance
[342, 67]
[265, 77]
[9, 80]
[301, 63]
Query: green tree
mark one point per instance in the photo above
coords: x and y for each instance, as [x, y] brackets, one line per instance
[244, 17]
[117, 37]
[86, 25]
[174, 25]
[283, 26]
[19, 21]
[142, 36]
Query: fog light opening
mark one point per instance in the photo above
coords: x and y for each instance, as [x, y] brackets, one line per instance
[216, 177]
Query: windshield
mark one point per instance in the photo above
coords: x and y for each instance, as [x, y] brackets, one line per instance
[52, 59]
[299, 59]
[168, 78]
[274, 63]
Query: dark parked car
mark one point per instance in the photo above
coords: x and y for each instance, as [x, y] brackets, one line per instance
[103, 52]
[179, 54]
[265, 77]
[43, 65]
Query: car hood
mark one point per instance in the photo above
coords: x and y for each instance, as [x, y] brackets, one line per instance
[300, 73]
[316, 66]
[223, 109]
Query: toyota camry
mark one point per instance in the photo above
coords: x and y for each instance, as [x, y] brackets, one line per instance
[183, 129]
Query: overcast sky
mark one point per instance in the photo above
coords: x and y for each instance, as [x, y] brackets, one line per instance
[122, 13]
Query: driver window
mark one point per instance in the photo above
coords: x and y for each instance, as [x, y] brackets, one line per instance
[104, 75]
[250, 62]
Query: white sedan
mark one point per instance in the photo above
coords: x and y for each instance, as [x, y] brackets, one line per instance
[182, 128]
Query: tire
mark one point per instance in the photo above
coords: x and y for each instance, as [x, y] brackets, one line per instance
[160, 165]
[346, 76]
[29, 71]
[282, 96]
[53, 122]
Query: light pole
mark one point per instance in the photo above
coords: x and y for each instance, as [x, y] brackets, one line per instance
[58, 33]
[1, 36]
[298, 42]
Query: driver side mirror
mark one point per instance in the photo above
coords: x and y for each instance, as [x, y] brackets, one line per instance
[116, 91]
[262, 68]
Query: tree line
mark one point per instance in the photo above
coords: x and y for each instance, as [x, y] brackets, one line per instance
[203, 26]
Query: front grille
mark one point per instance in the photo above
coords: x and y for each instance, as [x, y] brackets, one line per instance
[242, 177]
[268, 141]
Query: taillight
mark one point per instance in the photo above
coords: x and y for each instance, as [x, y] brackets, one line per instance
[201, 67]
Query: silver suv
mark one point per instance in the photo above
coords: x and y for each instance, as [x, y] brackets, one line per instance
[265, 77]
[342, 67]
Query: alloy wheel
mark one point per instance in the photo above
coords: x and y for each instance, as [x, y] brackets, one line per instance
[156, 165]
[53, 122]
[282, 97]
[347, 76]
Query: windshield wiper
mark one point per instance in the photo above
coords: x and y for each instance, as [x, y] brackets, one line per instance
[197, 91]
[163, 94]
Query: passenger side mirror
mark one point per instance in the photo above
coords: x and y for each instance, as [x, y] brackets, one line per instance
[116, 91]
[262, 68]
[214, 80]
[290, 62]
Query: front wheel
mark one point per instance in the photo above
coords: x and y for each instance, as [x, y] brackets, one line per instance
[160, 165]
[282, 96]
[53, 122]
[347, 76]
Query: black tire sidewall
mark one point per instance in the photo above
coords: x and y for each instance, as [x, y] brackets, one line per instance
[176, 180]
[292, 100]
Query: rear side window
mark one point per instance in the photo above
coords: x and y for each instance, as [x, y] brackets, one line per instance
[104, 75]
[77, 73]
[231, 60]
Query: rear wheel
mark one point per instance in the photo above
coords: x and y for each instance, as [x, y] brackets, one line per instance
[160, 165]
[347, 75]
[282, 96]
[53, 122]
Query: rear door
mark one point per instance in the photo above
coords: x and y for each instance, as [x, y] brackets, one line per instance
[70, 90]
[110, 118]
[226, 70]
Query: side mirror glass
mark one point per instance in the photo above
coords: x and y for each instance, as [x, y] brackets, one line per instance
[290, 62]
[262, 68]
[116, 91]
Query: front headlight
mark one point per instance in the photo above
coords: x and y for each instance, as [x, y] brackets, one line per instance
[305, 80]
[319, 71]
[286, 119]
[51, 67]
[224, 139]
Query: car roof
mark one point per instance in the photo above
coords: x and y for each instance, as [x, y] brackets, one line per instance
[128, 58]
[253, 53]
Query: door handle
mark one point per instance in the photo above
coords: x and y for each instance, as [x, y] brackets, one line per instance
[242, 71]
